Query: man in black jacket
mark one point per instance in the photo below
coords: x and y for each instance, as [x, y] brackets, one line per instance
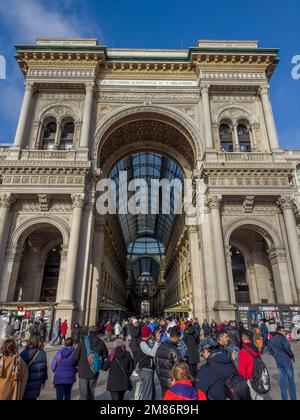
[216, 372]
[135, 334]
[166, 357]
[87, 379]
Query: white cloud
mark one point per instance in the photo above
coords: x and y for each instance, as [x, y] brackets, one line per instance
[28, 19]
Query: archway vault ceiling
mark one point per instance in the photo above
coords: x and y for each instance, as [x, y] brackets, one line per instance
[147, 130]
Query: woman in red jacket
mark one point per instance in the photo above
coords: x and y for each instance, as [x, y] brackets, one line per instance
[247, 356]
[64, 330]
[183, 388]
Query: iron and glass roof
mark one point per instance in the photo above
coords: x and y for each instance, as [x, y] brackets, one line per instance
[148, 166]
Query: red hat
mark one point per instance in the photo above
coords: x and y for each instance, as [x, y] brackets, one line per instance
[146, 332]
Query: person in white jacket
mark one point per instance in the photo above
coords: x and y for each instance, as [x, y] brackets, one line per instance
[118, 330]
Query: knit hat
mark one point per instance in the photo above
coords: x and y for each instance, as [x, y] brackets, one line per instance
[146, 332]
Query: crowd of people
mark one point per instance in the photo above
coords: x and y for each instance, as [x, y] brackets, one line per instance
[231, 368]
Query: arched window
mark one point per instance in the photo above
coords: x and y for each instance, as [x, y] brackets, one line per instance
[67, 136]
[49, 135]
[298, 174]
[244, 138]
[226, 138]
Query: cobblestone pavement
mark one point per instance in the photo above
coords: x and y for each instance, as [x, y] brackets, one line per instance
[102, 394]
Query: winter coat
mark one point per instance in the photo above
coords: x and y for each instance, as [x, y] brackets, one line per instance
[264, 330]
[64, 329]
[246, 360]
[184, 391]
[62, 367]
[77, 334]
[120, 371]
[135, 338]
[80, 360]
[197, 329]
[206, 329]
[280, 349]
[166, 357]
[234, 337]
[57, 327]
[193, 355]
[12, 387]
[118, 329]
[214, 330]
[209, 382]
[38, 373]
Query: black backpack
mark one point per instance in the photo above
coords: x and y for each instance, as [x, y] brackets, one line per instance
[236, 387]
[260, 382]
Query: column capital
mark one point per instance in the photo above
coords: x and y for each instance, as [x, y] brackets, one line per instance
[264, 90]
[204, 88]
[277, 255]
[78, 200]
[90, 87]
[29, 86]
[7, 200]
[214, 202]
[285, 203]
[14, 253]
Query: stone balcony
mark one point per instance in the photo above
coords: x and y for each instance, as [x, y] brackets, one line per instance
[68, 155]
[245, 157]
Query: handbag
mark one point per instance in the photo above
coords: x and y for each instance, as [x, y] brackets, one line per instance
[130, 385]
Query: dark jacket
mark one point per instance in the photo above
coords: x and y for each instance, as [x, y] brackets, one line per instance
[80, 360]
[77, 334]
[135, 338]
[120, 371]
[38, 373]
[206, 329]
[209, 382]
[167, 356]
[264, 330]
[280, 349]
[234, 337]
[62, 367]
[193, 355]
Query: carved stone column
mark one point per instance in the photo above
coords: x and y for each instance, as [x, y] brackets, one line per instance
[87, 116]
[283, 288]
[199, 304]
[252, 282]
[209, 142]
[12, 261]
[7, 200]
[287, 207]
[228, 254]
[223, 305]
[236, 137]
[24, 115]
[269, 118]
[78, 202]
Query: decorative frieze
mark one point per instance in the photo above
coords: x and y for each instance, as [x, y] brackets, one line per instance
[44, 202]
[233, 76]
[147, 96]
[249, 204]
[58, 73]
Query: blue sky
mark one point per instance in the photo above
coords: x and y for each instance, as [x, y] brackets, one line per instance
[156, 24]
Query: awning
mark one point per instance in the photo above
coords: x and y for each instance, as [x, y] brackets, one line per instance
[178, 310]
[109, 307]
[26, 306]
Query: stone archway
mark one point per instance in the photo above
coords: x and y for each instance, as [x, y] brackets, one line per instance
[149, 128]
[25, 258]
[267, 259]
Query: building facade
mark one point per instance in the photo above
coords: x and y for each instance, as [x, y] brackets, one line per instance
[199, 114]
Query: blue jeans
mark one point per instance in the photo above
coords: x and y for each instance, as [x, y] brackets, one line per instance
[287, 373]
[63, 392]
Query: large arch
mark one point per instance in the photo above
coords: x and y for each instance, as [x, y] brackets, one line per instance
[34, 223]
[266, 230]
[170, 117]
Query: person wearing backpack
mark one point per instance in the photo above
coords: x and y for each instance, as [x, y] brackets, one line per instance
[36, 360]
[64, 371]
[120, 366]
[218, 377]
[252, 368]
[13, 373]
[88, 358]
